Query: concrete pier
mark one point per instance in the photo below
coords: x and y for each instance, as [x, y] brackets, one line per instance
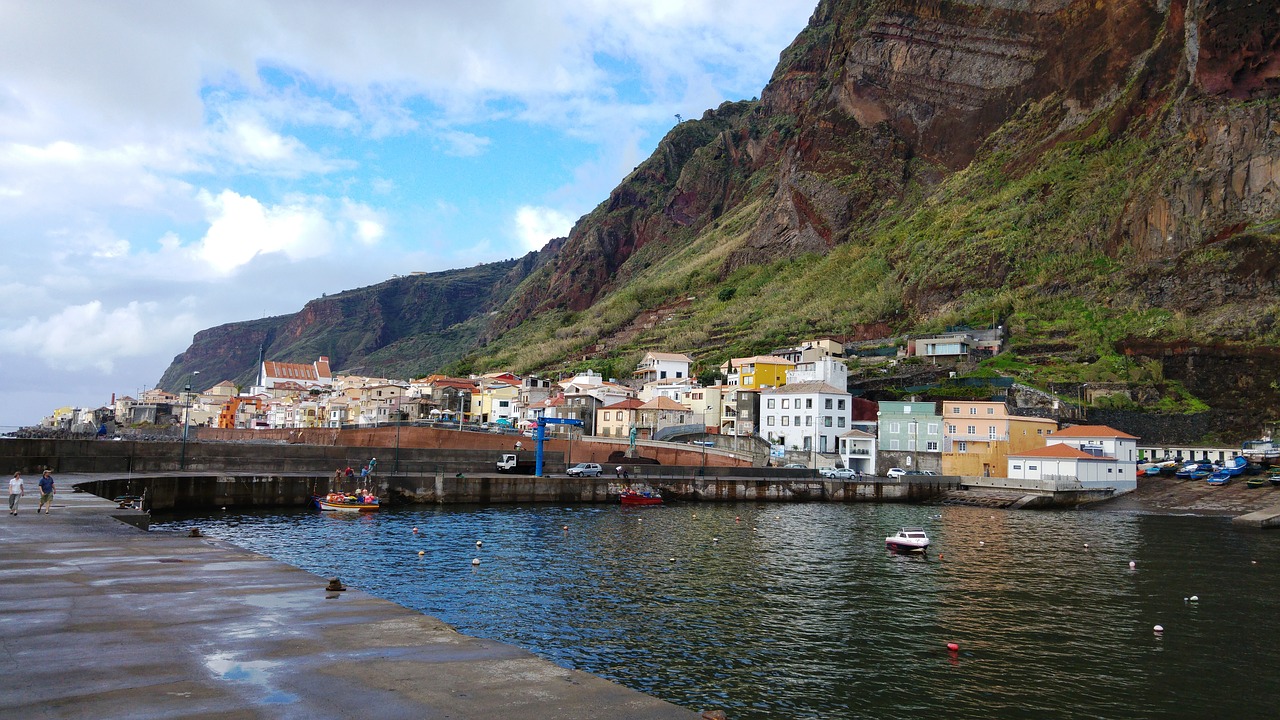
[101, 620]
[1268, 518]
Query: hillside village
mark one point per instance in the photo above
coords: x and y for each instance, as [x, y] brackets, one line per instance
[794, 402]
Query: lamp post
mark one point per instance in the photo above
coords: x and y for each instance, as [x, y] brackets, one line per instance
[400, 414]
[186, 423]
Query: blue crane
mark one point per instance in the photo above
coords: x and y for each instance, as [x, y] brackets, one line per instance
[543, 422]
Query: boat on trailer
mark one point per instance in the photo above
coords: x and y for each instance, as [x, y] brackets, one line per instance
[908, 539]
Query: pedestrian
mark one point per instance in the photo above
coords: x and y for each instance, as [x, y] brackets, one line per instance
[617, 472]
[350, 473]
[373, 463]
[519, 446]
[46, 492]
[15, 492]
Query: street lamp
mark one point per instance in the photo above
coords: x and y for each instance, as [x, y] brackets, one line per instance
[186, 423]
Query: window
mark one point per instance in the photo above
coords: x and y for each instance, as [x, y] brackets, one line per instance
[991, 432]
[911, 444]
[1017, 466]
[840, 404]
[895, 428]
[955, 410]
[1039, 431]
[972, 430]
[797, 421]
[913, 428]
[822, 444]
[768, 420]
[806, 442]
[786, 404]
[991, 411]
[827, 405]
[931, 446]
[786, 420]
[893, 445]
[906, 409]
[826, 421]
[1032, 468]
[962, 447]
[840, 422]
[931, 429]
[973, 411]
[951, 429]
[769, 403]
[679, 374]
[662, 375]
[808, 403]
[808, 420]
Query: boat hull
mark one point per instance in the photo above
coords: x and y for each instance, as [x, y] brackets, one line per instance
[635, 498]
[906, 547]
[327, 506]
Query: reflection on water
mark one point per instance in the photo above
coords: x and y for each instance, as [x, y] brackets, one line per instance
[797, 611]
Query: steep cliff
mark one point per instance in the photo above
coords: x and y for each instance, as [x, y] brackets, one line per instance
[1101, 177]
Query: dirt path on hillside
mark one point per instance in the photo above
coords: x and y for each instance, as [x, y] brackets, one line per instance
[1170, 495]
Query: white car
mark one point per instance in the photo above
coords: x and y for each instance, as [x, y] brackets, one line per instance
[896, 472]
[584, 470]
[838, 473]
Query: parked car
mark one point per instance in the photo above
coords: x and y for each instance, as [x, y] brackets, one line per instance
[896, 472]
[796, 466]
[838, 473]
[585, 470]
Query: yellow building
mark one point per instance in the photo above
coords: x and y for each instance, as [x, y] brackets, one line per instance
[616, 420]
[757, 372]
[977, 437]
[497, 401]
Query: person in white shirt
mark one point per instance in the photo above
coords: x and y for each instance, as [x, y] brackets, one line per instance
[15, 492]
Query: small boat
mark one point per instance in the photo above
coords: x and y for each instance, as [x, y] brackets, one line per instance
[1236, 465]
[1190, 470]
[1220, 477]
[1255, 482]
[639, 497]
[908, 539]
[342, 502]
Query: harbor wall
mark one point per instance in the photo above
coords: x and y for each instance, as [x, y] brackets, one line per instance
[197, 492]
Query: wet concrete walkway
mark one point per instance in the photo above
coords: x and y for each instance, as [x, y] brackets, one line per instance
[101, 620]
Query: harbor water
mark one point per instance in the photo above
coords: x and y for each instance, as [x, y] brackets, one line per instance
[798, 611]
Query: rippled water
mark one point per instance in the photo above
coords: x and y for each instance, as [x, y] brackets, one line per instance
[797, 611]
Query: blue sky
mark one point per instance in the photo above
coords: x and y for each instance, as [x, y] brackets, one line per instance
[169, 167]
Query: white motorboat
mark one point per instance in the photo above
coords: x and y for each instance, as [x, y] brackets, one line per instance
[908, 539]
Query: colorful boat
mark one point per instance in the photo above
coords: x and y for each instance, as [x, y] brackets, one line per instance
[1236, 465]
[1255, 482]
[908, 539]
[639, 497]
[342, 502]
[1220, 477]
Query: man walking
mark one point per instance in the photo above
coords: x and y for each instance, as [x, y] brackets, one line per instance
[15, 492]
[46, 493]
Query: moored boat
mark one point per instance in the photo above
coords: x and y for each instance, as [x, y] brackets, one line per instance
[908, 539]
[1255, 482]
[639, 497]
[342, 502]
[1220, 477]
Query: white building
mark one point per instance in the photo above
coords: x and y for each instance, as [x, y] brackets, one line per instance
[858, 451]
[1064, 465]
[663, 366]
[805, 416]
[825, 369]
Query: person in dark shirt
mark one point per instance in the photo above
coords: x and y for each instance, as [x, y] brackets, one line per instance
[46, 493]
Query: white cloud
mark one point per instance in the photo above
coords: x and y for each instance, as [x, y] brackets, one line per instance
[91, 337]
[535, 226]
[241, 228]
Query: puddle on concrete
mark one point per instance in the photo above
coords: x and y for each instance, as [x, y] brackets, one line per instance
[254, 672]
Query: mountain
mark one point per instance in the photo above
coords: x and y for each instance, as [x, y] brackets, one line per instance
[1102, 178]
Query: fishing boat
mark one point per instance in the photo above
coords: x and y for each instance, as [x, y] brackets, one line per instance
[640, 497]
[1236, 465]
[1219, 477]
[1192, 469]
[1255, 482]
[908, 539]
[342, 502]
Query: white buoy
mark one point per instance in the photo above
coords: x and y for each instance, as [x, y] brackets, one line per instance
[565, 528]
[671, 560]
[475, 561]
[982, 542]
[1086, 546]
[415, 531]
[1158, 629]
[421, 553]
[1194, 598]
[1132, 564]
[695, 516]
[479, 543]
[715, 539]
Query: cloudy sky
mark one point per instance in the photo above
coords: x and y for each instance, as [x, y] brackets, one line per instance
[168, 167]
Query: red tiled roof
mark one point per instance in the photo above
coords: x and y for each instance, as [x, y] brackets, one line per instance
[1092, 431]
[1060, 451]
[628, 404]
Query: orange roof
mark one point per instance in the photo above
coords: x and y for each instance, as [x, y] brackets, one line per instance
[628, 404]
[662, 402]
[1060, 451]
[1092, 431]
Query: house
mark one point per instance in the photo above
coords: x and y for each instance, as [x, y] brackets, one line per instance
[497, 401]
[858, 451]
[740, 414]
[909, 435]
[805, 416]
[826, 369]
[663, 366]
[1103, 441]
[978, 437]
[677, 390]
[659, 413]
[314, 374]
[618, 419]
[707, 406]
[811, 350]
[756, 372]
[957, 345]
[1064, 464]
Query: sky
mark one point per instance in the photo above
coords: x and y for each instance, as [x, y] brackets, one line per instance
[170, 167]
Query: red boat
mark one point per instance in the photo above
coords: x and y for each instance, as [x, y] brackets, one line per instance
[640, 497]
